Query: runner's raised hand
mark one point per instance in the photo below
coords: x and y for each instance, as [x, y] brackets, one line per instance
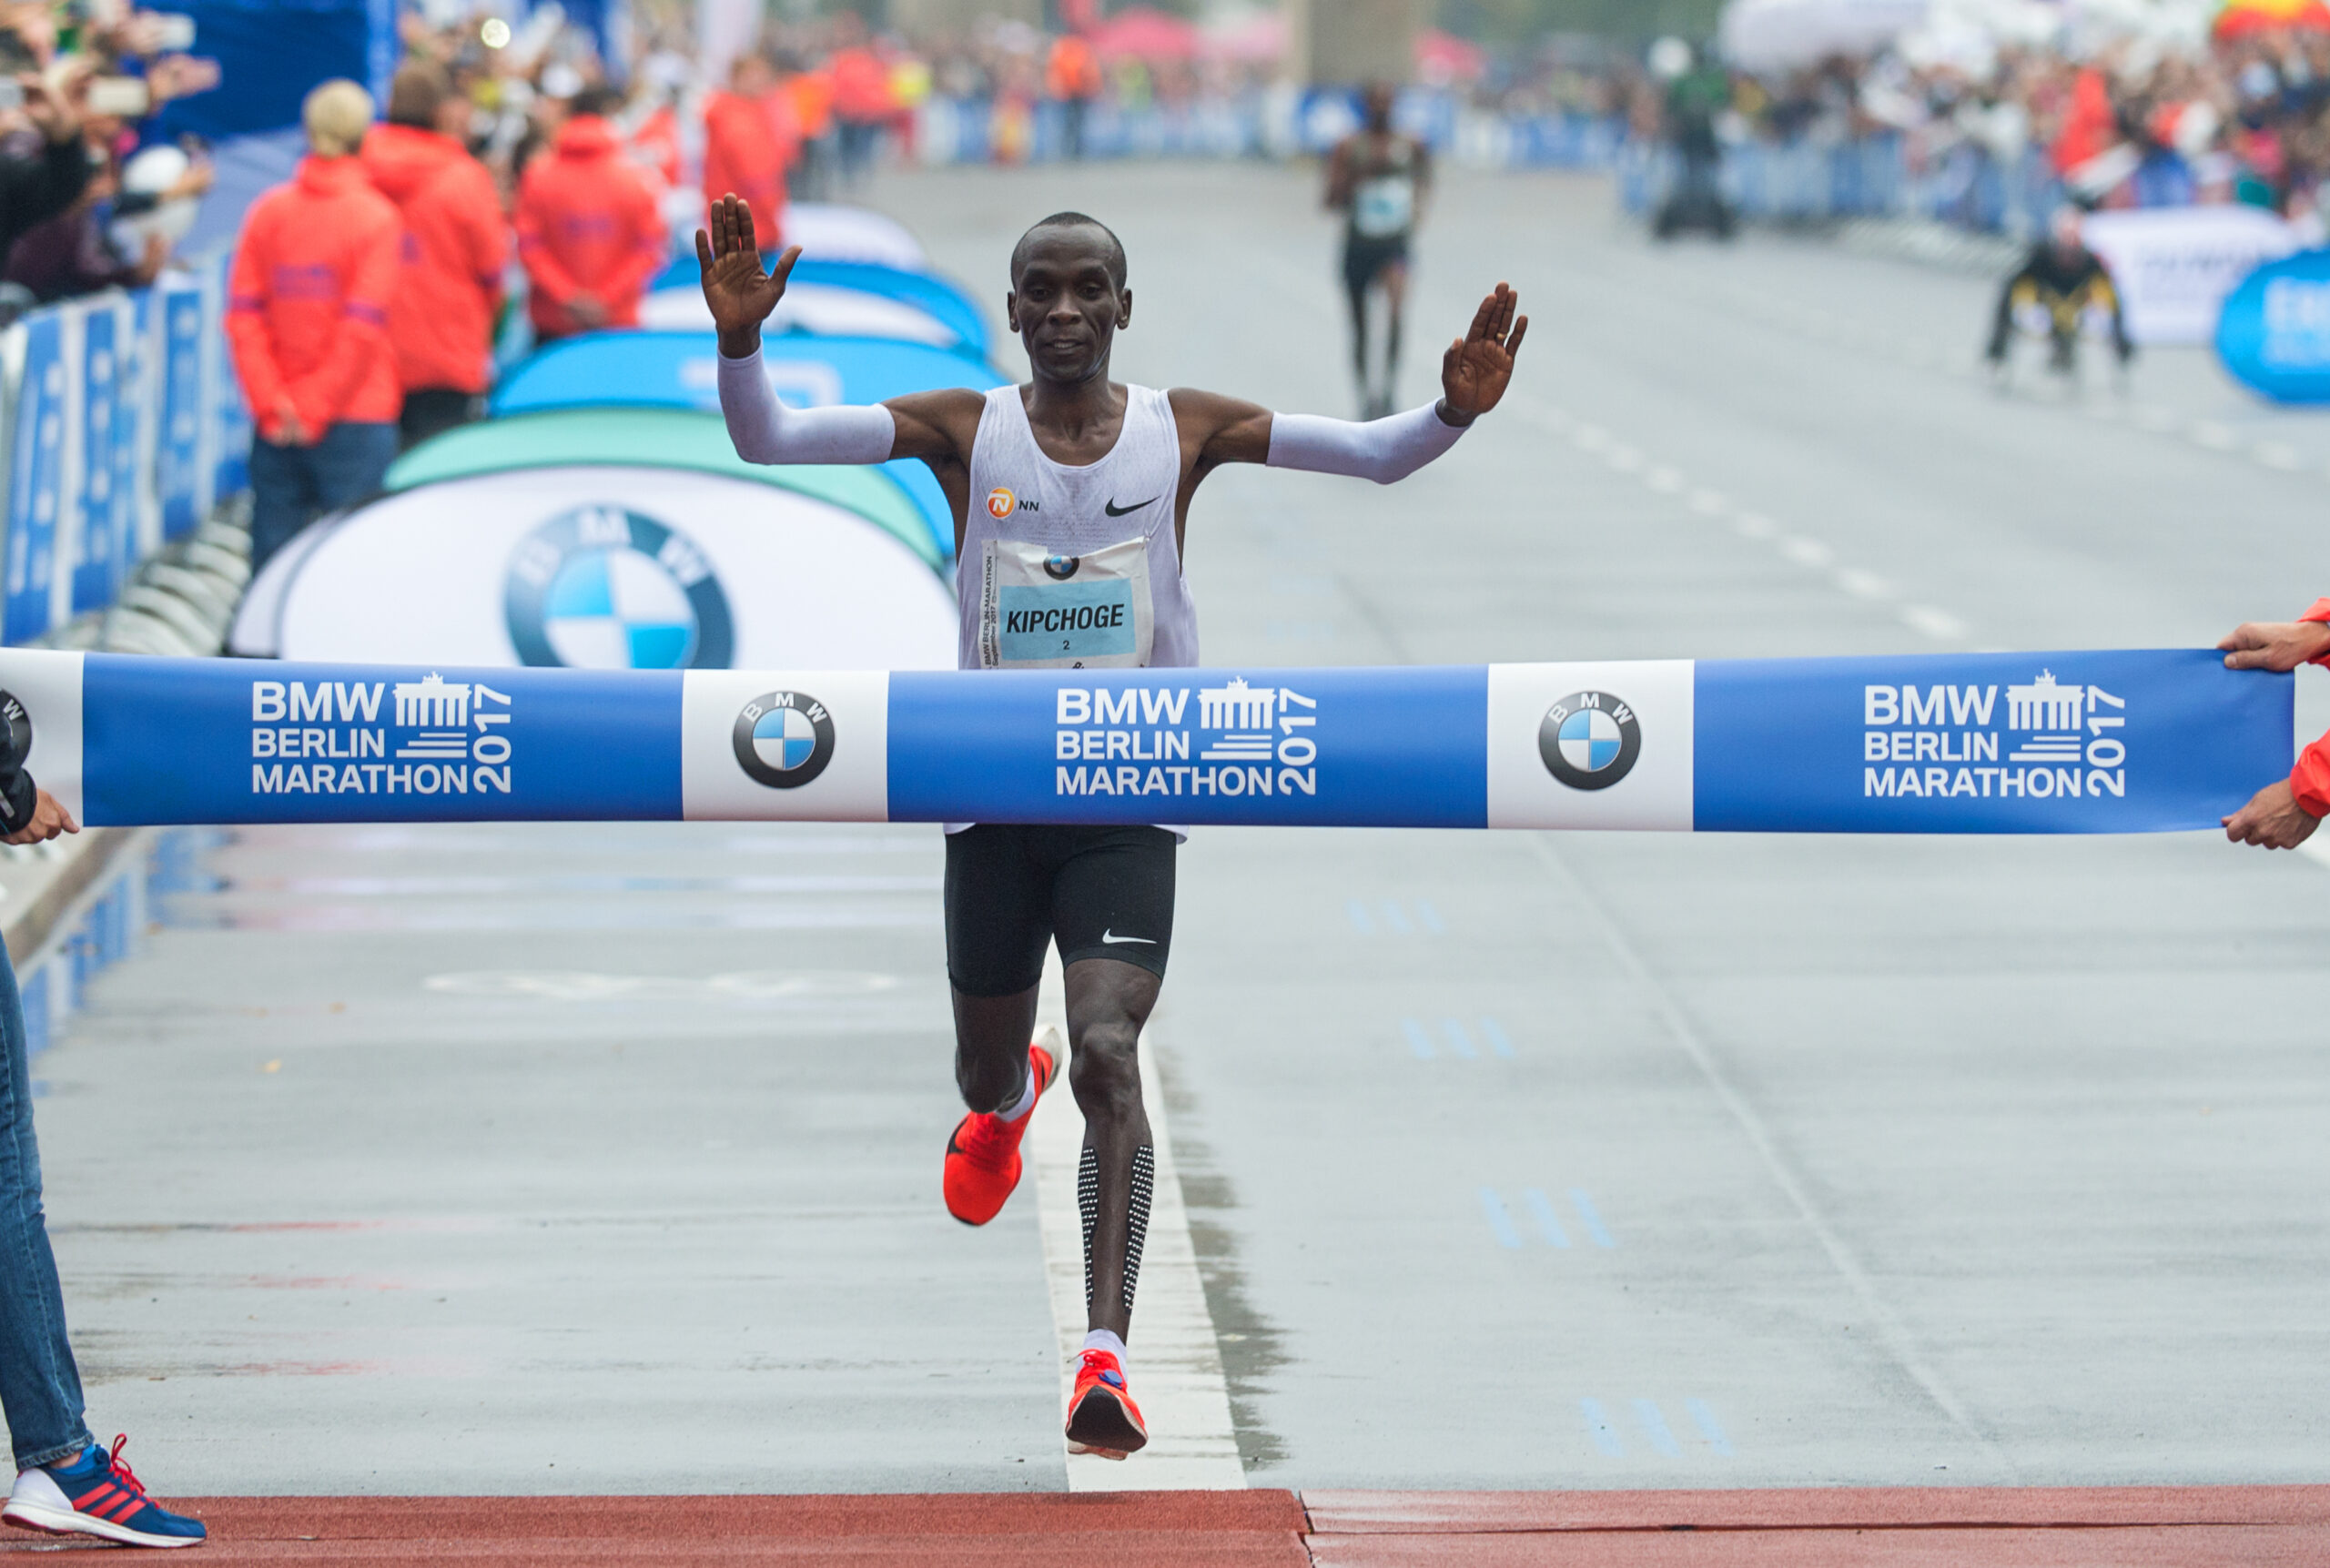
[740, 294]
[1478, 366]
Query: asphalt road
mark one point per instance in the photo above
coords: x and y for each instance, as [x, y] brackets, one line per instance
[1511, 1160]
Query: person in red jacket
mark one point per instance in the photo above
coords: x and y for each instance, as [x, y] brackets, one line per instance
[308, 318]
[455, 247]
[863, 102]
[589, 233]
[750, 139]
[2285, 813]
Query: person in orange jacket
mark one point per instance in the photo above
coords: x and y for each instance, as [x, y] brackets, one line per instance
[1072, 78]
[455, 247]
[862, 100]
[2285, 813]
[588, 232]
[811, 94]
[314, 275]
[750, 136]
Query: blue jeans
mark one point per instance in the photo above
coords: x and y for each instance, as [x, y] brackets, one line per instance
[292, 486]
[40, 1388]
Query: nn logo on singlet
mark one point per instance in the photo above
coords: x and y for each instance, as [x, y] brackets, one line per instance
[1001, 503]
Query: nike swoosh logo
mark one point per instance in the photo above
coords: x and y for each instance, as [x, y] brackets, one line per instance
[1113, 939]
[1113, 510]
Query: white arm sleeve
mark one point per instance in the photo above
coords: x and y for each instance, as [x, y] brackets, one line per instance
[765, 431]
[1381, 450]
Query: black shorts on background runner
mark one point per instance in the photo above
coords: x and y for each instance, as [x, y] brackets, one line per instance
[1104, 893]
[1364, 259]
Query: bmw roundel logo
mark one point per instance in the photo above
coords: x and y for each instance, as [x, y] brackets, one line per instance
[605, 588]
[784, 739]
[1590, 740]
[1060, 568]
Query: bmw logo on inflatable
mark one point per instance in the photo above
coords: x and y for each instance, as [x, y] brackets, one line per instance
[784, 739]
[605, 588]
[1590, 740]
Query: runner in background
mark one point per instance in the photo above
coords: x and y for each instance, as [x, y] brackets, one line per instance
[315, 274]
[588, 230]
[1378, 178]
[2285, 813]
[1072, 75]
[750, 137]
[455, 245]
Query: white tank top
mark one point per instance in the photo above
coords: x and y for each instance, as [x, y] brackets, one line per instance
[1074, 568]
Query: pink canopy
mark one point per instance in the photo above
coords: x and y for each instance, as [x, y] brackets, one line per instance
[1442, 58]
[1145, 34]
[1255, 40]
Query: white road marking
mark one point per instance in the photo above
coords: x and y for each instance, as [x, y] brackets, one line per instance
[1176, 1374]
[1799, 549]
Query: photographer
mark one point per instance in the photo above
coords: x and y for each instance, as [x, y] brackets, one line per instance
[44, 163]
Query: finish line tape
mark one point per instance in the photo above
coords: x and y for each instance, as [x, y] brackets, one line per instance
[2127, 742]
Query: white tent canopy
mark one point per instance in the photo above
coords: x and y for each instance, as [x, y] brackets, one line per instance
[1784, 34]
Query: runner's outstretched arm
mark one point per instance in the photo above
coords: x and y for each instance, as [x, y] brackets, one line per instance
[1473, 375]
[925, 425]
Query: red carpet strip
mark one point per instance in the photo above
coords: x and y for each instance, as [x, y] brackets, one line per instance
[1906, 1527]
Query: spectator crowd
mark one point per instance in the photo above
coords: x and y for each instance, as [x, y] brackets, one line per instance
[1988, 132]
[92, 195]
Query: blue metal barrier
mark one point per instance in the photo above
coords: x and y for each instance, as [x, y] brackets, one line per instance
[123, 427]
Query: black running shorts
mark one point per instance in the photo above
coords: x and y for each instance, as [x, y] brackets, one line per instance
[1364, 259]
[1102, 892]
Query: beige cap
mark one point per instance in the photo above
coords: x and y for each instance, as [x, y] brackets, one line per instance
[337, 115]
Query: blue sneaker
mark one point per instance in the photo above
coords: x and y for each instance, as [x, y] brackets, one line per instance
[97, 1495]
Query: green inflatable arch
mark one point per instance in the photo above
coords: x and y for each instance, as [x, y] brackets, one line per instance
[654, 437]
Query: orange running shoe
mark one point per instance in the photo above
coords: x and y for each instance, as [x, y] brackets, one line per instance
[983, 1153]
[1101, 1417]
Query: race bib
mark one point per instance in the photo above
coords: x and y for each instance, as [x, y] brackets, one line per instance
[1039, 611]
[1384, 206]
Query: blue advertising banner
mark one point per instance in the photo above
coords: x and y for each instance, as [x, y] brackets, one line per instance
[231, 741]
[2130, 741]
[37, 487]
[2074, 742]
[95, 526]
[1398, 747]
[2274, 332]
[178, 452]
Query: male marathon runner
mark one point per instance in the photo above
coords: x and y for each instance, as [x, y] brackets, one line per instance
[1068, 482]
[1377, 178]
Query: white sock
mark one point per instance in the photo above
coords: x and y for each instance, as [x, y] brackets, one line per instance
[1027, 1100]
[1102, 1340]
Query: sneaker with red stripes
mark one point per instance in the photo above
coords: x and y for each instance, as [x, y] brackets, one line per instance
[983, 1153]
[97, 1494]
[1101, 1417]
